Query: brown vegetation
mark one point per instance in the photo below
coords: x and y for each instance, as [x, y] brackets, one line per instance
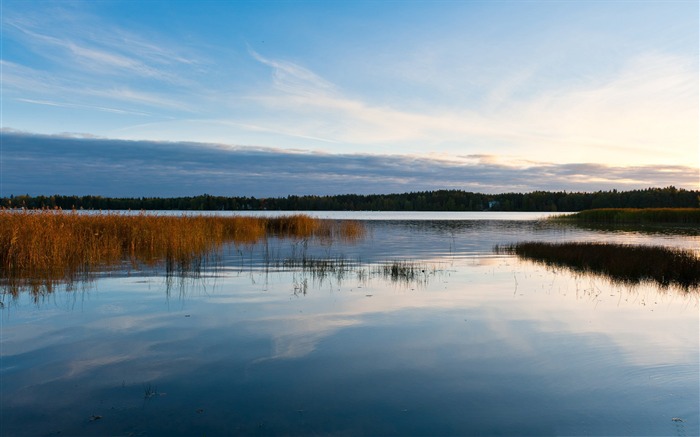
[622, 263]
[687, 216]
[41, 247]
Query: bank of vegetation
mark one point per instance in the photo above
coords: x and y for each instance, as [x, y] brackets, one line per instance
[628, 264]
[40, 247]
[441, 200]
[683, 216]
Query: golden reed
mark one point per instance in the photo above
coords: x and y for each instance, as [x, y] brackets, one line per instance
[40, 247]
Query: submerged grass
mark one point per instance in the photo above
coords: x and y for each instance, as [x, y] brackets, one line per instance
[683, 216]
[404, 272]
[621, 263]
[39, 248]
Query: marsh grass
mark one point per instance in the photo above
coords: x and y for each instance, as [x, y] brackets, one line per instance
[684, 216]
[41, 248]
[322, 268]
[622, 263]
[403, 272]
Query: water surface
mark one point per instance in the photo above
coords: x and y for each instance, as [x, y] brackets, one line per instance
[473, 343]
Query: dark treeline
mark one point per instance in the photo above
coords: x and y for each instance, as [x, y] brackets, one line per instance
[441, 200]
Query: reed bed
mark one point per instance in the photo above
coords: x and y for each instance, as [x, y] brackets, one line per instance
[48, 246]
[683, 216]
[630, 264]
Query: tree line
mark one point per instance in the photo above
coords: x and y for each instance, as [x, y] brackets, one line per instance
[440, 200]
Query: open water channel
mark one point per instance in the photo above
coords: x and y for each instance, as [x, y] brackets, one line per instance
[417, 329]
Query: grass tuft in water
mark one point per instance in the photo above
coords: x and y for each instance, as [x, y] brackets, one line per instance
[404, 271]
[149, 391]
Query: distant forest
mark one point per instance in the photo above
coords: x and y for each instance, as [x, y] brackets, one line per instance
[441, 200]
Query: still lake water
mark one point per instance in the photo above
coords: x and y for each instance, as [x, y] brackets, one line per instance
[468, 343]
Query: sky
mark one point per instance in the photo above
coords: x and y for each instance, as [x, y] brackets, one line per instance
[276, 98]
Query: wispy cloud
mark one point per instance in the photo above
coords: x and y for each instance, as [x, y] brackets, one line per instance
[649, 106]
[89, 64]
[73, 105]
[95, 49]
[75, 165]
[32, 86]
[295, 79]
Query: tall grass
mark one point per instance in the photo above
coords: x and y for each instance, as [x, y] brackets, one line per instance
[619, 262]
[634, 215]
[45, 246]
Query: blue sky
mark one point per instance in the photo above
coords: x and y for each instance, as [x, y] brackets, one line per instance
[505, 88]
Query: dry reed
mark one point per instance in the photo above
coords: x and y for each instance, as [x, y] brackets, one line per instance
[48, 246]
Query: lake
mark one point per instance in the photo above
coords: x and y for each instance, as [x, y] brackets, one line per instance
[418, 329]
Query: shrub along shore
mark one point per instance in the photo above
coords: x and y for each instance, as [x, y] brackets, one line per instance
[634, 216]
[38, 247]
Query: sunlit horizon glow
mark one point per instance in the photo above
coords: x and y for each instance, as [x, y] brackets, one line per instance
[611, 87]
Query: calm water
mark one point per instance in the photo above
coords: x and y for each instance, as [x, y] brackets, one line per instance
[469, 343]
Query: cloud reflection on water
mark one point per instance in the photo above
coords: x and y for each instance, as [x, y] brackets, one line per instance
[483, 332]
